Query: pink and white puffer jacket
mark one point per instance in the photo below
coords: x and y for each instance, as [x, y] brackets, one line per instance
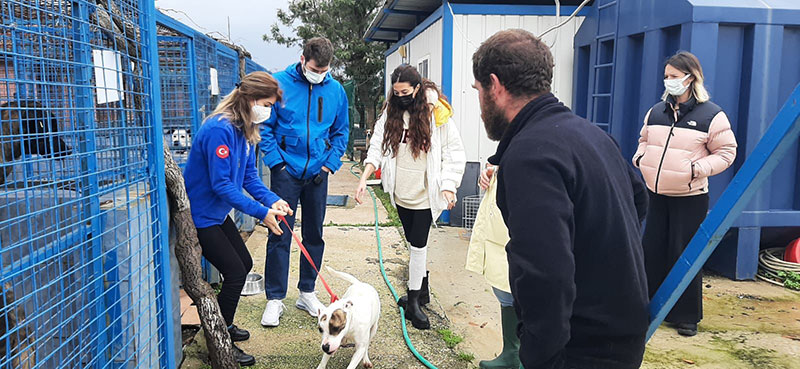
[680, 147]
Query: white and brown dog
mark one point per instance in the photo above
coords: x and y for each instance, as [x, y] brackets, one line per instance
[353, 318]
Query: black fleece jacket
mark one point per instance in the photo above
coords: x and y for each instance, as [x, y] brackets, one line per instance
[573, 207]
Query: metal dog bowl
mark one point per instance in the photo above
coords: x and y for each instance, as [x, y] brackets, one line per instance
[253, 285]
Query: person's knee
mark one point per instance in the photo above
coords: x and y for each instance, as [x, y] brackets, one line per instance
[237, 276]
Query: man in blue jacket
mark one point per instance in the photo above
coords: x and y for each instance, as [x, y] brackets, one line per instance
[302, 143]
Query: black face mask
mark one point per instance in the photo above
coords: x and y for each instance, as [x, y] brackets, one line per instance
[406, 101]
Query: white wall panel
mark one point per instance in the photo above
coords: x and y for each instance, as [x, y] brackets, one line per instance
[469, 31]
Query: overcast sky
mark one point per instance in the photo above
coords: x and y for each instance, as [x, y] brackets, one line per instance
[250, 19]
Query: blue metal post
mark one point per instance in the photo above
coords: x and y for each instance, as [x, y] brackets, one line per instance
[781, 135]
[161, 227]
[196, 120]
[447, 49]
[84, 117]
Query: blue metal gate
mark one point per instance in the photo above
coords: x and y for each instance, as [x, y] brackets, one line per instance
[227, 69]
[250, 66]
[83, 261]
[206, 54]
[178, 96]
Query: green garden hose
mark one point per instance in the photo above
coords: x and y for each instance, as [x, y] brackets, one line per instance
[386, 278]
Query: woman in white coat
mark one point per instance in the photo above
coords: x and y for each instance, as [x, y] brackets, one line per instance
[419, 151]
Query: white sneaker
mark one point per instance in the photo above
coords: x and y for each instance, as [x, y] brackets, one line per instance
[272, 313]
[309, 302]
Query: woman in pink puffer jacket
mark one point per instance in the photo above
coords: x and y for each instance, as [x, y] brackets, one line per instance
[685, 139]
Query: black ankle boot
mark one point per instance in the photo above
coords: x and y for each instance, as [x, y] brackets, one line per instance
[424, 294]
[414, 312]
[238, 334]
[242, 358]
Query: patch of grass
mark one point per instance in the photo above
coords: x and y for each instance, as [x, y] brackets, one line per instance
[450, 339]
[757, 357]
[791, 280]
[466, 356]
[394, 219]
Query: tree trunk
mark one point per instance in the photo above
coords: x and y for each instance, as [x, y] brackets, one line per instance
[188, 252]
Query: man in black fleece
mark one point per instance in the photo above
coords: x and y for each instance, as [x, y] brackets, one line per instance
[573, 207]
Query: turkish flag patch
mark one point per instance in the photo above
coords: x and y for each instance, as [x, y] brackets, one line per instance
[223, 151]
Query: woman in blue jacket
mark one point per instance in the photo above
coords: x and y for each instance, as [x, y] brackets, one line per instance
[221, 164]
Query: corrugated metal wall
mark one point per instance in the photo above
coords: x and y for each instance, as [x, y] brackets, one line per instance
[750, 53]
[427, 45]
[469, 32]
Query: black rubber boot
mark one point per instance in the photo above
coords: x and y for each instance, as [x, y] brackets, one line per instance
[414, 311]
[238, 334]
[424, 295]
[242, 358]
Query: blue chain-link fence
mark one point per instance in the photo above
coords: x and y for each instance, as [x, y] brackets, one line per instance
[84, 276]
[84, 257]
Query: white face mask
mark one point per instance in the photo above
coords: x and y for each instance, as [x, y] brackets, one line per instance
[261, 113]
[312, 77]
[675, 87]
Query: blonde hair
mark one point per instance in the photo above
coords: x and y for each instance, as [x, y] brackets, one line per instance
[686, 62]
[236, 106]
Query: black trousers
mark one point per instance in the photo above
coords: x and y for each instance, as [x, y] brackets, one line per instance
[416, 225]
[224, 248]
[671, 224]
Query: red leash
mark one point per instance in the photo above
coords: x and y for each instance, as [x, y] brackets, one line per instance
[308, 257]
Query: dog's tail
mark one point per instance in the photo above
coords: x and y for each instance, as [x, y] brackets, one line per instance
[342, 275]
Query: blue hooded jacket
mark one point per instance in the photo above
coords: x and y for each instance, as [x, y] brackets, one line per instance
[221, 164]
[310, 129]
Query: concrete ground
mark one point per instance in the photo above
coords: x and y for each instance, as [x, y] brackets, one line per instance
[746, 325]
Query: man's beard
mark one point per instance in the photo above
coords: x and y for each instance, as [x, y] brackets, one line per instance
[494, 120]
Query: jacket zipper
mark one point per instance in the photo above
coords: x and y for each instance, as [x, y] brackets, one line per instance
[308, 131]
[664, 154]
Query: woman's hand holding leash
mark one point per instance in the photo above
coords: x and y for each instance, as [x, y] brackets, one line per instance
[283, 206]
[272, 223]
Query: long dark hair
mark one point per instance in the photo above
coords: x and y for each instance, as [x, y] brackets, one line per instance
[419, 126]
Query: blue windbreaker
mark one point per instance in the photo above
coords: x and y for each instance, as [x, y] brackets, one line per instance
[221, 164]
[309, 129]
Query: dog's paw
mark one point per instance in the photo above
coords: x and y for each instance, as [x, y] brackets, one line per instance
[367, 364]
